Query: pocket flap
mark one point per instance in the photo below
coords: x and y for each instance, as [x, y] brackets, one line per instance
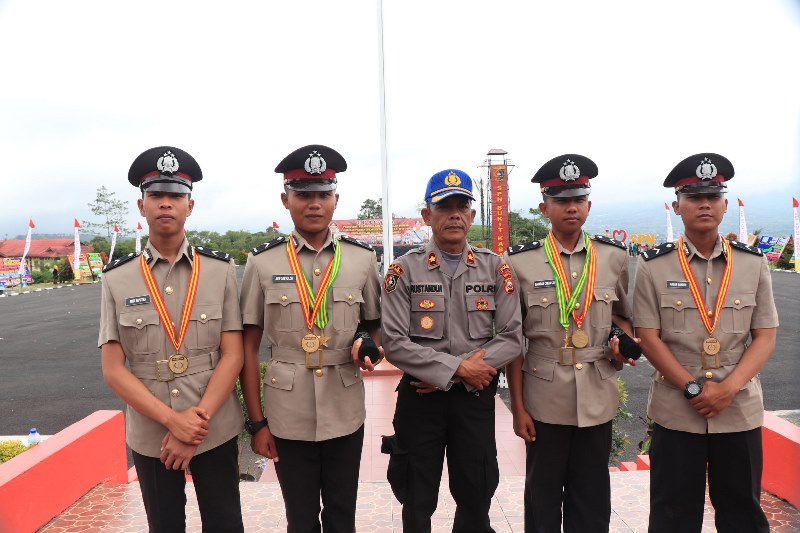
[479, 302]
[427, 303]
[349, 373]
[605, 368]
[283, 296]
[280, 375]
[139, 319]
[678, 301]
[204, 313]
[605, 294]
[540, 368]
[542, 298]
[351, 296]
[738, 301]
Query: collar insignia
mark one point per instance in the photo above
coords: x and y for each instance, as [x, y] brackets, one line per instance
[470, 257]
[433, 261]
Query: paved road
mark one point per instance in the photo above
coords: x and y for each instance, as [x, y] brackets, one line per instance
[50, 370]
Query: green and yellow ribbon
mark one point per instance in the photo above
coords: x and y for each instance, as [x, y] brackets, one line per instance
[567, 297]
[315, 306]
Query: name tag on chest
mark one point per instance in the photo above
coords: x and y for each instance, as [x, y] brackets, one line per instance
[137, 300]
[283, 278]
[426, 288]
[677, 284]
[474, 288]
[544, 283]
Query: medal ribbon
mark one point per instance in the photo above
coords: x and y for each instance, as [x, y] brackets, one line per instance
[315, 307]
[695, 288]
[158, 301]
[568, 298]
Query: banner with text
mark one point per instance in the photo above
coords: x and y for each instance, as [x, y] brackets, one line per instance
[9, 272]
[772, 247]
[498, 180]
[405, 231]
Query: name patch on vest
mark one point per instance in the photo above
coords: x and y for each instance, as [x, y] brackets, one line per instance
[544, 283]
[137, 300]
[283, 278]
[677, 284]
[487, 288]
[426, 288]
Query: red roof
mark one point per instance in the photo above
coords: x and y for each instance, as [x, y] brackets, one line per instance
[41, 248]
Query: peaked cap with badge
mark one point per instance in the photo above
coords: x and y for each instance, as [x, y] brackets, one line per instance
[446, 183]
[566, 176]
[704, 173]
[165, 169]
[311, 168]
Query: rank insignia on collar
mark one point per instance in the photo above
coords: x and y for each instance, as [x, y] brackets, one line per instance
[315, 164]
[569, 171]
[427, 304]
[470, 257]
[167, 163]
[706, 169]
[433, 261]
[390, 282]
[482, 304]
[426, 322]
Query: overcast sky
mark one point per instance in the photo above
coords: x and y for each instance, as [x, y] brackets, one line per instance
[636, 86]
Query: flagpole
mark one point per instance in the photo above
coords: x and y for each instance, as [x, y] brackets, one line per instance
[388, 242]
[76, 254]
[742, 223]
[138, 237]
[795, 205]
[31, 225]
[670, 236]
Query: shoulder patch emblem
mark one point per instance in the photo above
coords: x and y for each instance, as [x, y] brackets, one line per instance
[208, 252]
[524, 247]
[606, 240]
[396, 268]
[267, 245]
[348, 238]
[121, 261]
[745, 248]
[661, 249]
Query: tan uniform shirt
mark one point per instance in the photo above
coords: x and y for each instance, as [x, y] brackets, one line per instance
[128, 315]
[663, 300]
[433, 319]
[306, 403]
[559, 390]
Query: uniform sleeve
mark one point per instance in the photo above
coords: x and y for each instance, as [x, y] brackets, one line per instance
[765, 315]
[251, 300]
[371, 308]
[506, 345]
[646, 307]
[621, 307]
[518, 287]
[109, 326]
[422, 362]
[231, 315]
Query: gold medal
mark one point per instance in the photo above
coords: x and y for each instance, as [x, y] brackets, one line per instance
[580, 339]
[178, 363]
[309, 343]
[711, 346]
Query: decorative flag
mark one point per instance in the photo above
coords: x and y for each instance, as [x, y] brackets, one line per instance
[31, 225]
[795, 205]
[76, 256]
[670, 237]
[113, 242]
[138, 237]
[742, 223]
[275, 224]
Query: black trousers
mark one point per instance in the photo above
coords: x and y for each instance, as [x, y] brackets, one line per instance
[567, 467]
[678, 463]
[460, 422]
[329, 468]
[215, 474]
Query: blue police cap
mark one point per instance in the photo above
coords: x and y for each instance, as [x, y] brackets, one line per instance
[447, 183]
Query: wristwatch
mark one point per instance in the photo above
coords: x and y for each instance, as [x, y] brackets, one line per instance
[255, 427]
[693, 389]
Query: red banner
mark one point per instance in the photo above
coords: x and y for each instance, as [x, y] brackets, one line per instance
[407, 231]
[498, 175]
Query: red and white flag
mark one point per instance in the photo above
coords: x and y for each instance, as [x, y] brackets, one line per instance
[31, 225]
[138, 237]
[742, 223]
[795, 205]
[76, 257]
[670, 236]
[113, 242]
[275, 225]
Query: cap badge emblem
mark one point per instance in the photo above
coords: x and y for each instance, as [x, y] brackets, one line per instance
[706, 169]
[452, 179]
[315, 164]
[167, 163]
[569, 171]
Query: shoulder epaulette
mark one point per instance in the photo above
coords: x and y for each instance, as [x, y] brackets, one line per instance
[121, 261]
[606, 240]
[348, 238]
[417, 250]
[208, 252]
[267, 245]
[479, 250]
[661, 249]
[524, 247]
[745, 248]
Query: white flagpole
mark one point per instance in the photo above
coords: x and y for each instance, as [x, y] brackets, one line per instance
[670, 236]
[138, 237]
[388, 239]
[795, 205]
[742, 223]
[76, 257]
[113, 243]
[26, 250]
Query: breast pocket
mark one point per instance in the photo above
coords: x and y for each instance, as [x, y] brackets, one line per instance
[206, 321]
[283, 309]
[480, 313]
[140, 331]
[602, 306]
[543, 309]
[737, 311]
[346, 308]
[679, 312]
[427, 316]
